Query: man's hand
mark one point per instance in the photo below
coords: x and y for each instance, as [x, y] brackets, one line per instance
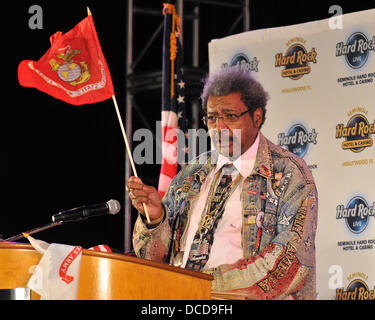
[140, 194]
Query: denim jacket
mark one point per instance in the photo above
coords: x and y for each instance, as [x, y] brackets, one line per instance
[278, 251]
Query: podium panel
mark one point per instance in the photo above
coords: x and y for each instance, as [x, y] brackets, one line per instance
[15, 262]
[110, 276]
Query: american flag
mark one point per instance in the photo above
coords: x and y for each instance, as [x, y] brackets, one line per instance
[173, 114]
[201, 249]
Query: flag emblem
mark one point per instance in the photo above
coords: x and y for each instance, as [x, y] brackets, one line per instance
[68, 70]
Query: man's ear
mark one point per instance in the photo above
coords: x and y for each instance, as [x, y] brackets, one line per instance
[258, 117]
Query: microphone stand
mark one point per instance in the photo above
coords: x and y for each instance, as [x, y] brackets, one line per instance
[35, 230]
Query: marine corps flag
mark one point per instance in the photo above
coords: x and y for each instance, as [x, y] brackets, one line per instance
[73, 69]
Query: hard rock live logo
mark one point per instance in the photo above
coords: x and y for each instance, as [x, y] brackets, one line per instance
[357, 289]
[297, 59]
[356, 214]
[356, 49]
[297, 139]
[241, 59]
[356, 133]
[356, 52]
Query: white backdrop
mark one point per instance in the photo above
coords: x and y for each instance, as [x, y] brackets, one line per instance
[321, 83]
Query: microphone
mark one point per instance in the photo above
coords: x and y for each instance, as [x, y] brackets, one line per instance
[82, 213]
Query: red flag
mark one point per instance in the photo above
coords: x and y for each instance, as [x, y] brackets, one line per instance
[73, 69]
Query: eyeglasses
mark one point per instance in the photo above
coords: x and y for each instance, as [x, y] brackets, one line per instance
[227, 118]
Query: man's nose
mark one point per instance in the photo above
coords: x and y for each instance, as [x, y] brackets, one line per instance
[220, 124]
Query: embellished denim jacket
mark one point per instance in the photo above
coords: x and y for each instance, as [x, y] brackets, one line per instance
[279, 209]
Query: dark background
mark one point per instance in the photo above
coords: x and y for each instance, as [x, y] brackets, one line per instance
[56, 156]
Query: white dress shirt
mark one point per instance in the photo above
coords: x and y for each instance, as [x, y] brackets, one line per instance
[226, 248]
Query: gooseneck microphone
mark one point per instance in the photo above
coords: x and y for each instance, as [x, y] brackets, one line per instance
[85, 212]
[76, 214]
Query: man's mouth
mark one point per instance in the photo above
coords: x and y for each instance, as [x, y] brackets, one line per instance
[224, 142]
[227, 143]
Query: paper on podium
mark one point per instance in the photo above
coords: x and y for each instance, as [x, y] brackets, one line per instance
[56, 276]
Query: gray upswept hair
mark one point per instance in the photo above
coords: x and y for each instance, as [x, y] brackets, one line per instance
[235, 79]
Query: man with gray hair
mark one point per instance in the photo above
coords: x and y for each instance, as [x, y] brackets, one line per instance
[245, 212]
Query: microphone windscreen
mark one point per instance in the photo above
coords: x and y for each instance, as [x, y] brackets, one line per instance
[113, 206]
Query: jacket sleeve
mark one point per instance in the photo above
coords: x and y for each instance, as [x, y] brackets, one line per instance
[286, 264]
[153, 244]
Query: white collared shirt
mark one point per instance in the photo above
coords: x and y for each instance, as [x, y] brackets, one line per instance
[226, 248]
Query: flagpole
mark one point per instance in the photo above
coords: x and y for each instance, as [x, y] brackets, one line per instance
[128, 149]
[125, 138]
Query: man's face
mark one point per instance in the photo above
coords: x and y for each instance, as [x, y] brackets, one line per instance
[232, 135]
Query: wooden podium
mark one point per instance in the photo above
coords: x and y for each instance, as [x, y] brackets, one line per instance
[110, 276]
